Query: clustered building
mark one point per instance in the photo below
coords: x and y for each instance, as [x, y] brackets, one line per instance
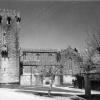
[32, 67]
[34, 62]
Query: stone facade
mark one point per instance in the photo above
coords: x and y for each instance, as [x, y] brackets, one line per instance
[39, 56]
[36, 64]
[9, 46]
[71, 61]
[35, 61]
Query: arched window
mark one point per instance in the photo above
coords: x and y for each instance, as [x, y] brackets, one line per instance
[4, 53]
[4, 34]
[0, 19]
[18, 19]
[38, 56]
[24, 55]
[8, 20]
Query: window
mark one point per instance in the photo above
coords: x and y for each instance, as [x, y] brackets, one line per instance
[4, 54]
[21, 68]
[37, 56]
[5, 46]
[4, 34]
[24, 55]
[50, 54]
[8, 20]
[0, 18]
[18, 19]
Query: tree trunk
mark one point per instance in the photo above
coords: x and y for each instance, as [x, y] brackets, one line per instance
[50, 88]
[87, 85]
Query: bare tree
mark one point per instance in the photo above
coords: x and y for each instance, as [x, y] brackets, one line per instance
[87, 66]
[93, 40]
[93, 46]
[51, 72]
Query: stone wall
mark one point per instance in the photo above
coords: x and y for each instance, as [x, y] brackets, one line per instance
[9, 47]
[70, 59]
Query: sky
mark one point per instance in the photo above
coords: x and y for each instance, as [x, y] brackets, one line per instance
[55, 24]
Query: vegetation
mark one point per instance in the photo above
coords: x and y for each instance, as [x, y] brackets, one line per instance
[51, 72]
[93, 46]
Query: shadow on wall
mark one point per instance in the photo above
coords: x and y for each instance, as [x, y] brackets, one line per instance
[67, 79]
[46, 81]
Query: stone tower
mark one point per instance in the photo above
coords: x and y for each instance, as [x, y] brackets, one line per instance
[9, 46]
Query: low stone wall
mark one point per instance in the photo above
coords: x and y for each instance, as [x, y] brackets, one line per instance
[30, 80]
[9, 71]
[67, 79]
[25, 80]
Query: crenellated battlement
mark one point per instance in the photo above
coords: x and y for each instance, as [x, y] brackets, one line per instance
[9, 16]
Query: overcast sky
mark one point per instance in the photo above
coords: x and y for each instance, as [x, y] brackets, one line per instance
[55, 24]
